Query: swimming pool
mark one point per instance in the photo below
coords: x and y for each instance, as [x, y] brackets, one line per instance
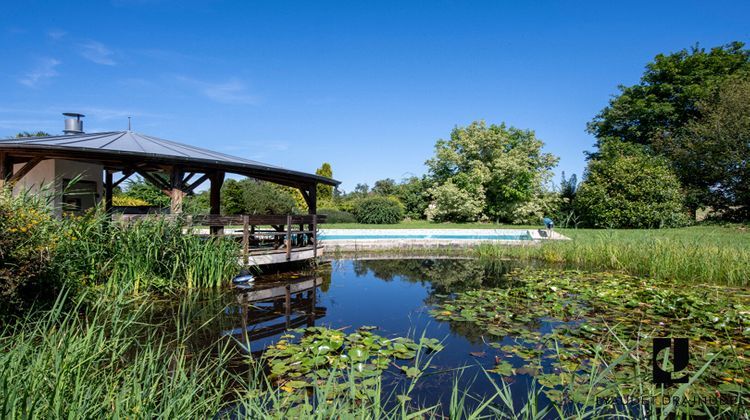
[423, 235]
[360, 236]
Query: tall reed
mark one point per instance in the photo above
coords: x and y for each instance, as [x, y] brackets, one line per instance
[116, 359]
[692, 257]
[147, 254]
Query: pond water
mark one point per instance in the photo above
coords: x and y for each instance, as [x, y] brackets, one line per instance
[394, 295]
[540, 327]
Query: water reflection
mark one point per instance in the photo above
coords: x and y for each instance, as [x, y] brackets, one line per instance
[395, 295]
[444, 276]
[269, 309]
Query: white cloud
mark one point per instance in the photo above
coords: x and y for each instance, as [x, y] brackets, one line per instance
[98, 53]
[233, 91]
[44, 70]
[56, 34]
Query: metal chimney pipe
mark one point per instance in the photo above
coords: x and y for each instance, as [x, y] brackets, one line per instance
[74, 124]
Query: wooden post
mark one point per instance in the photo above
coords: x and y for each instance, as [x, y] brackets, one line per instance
[315, 236]
[288, 237]
[314, 291]
[217, 180]
[245, 239]
[288, 305]
[312, 201]
[108, 185]
[6, 168]
[312, 209]
[177, 193]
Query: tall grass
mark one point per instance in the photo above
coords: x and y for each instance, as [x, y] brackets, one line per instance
[146, 254]
[108, 363]
[690, 256]
[116, 359]
[42, 251]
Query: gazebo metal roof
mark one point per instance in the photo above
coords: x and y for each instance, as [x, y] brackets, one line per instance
[122, 150]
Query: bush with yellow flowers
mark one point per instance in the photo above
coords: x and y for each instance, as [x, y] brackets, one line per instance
[28, 238]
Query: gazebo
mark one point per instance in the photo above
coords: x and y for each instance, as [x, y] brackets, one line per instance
[94, 159]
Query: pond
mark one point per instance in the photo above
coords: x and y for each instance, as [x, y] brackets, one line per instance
[499, 324]
[395, 296]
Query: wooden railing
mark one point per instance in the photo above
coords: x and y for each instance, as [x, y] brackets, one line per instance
[259, 233]
[290, 231]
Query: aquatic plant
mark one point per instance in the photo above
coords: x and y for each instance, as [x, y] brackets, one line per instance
[602, 317]
[106, 363]
[322, 355]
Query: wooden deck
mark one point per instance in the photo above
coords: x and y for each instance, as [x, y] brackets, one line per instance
[265, 239]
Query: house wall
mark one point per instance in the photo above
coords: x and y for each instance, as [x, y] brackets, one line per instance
[50, 175]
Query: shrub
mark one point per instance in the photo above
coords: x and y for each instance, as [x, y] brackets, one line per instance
[349, 205]
[627, 188]
[28, 240]
[337, 216]
[128, 201]
[380, 210]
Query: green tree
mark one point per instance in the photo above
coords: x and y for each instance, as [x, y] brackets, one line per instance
[28, 134]
[138, 188]
[712, 154]
[565, 214]
[667, 97]
[451, 203]
[361, 190]
[232, 198]
[502, 167]
[412, 192]
[250, 196]
[625, 187]
[325, 192]
[384, 187]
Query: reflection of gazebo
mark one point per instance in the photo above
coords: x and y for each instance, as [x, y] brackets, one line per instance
[268, 310]
[94, 159]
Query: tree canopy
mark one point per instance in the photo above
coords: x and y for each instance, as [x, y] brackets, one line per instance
[324, 192]
[712, 154]
[668, 94]
[250, 196]
[499, 166]
[688, 108]
[625, 187]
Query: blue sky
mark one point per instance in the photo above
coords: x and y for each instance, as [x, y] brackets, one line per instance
[366, 86]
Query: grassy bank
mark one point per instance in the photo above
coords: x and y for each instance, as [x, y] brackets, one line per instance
[694, 255]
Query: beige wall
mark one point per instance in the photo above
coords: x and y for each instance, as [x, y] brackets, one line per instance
[49, 174]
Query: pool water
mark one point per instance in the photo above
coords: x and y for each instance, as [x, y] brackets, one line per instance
[523, 237]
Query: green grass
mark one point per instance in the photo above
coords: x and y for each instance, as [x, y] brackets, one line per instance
[693, 255]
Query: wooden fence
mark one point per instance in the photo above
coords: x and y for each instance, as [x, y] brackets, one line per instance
[260, 234]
